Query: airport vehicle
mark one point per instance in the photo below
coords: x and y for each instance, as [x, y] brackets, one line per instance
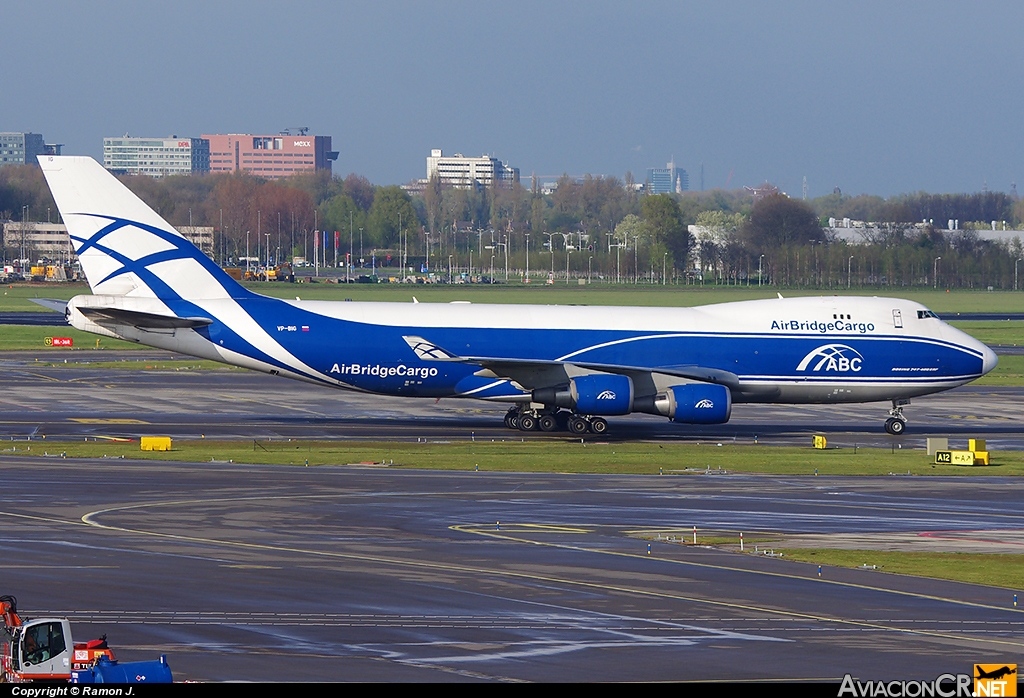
[43, 650]
[560, 366]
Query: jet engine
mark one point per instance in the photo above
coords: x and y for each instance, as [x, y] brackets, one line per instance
[695, 403]
[598, 393]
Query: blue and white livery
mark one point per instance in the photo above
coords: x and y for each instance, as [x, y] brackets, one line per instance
[560, 366]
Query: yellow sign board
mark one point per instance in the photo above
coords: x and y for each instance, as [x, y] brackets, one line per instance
[156, 443]
[820, 442]
[956, 457]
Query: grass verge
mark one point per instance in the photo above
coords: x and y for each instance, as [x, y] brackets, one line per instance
[974, 568]
[538, 456]
[29, 337]
[16, 296]
[133, 364]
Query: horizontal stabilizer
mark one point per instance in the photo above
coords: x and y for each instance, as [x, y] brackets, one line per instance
[51, 303]
[143, 321]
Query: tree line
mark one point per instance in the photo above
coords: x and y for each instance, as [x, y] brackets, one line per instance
[595, 226]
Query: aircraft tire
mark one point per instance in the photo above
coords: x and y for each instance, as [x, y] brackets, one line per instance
[562, 418]
[894, 426]
[527, 422]
[578, 425]
[511, 421]
[599, 425]
[548, 422]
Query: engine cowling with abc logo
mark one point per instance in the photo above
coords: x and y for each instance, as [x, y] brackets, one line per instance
[602, 394]
[696, 403]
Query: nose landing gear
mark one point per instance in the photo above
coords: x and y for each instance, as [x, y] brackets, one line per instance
[897, 423]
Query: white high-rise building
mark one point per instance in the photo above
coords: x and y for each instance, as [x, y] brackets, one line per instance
[463, 172]
[156, 157]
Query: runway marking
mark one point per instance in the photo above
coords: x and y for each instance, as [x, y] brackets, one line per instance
[61, 567]
[101, 420]
[483, 530]
[90, 520]
[234, 398]
[543, 528]
[42, 376]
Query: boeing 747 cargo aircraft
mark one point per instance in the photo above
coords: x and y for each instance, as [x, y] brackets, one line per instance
[560, 367]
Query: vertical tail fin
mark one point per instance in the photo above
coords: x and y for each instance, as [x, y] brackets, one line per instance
[125, 247]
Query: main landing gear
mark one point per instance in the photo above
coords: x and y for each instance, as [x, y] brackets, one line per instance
[897, 423]
[554, 420]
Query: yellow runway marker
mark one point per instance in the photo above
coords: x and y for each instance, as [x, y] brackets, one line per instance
[526, 527]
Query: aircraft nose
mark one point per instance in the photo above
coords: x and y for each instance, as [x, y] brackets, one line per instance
[989, 360]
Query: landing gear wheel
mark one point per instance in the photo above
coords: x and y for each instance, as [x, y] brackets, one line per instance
[598, 425]
[578, 425]
[527, 422]
[548, 422]
[895, 426]
[512, 419]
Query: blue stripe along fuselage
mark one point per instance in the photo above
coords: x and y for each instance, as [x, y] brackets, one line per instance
[376, 358]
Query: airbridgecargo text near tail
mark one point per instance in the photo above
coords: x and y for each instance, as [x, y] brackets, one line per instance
[560, 367]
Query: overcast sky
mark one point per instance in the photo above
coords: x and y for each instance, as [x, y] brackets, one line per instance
[873, 97]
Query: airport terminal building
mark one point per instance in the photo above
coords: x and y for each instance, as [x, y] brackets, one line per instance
[34, 239]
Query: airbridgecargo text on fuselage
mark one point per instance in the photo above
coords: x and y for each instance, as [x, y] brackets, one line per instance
[823, 326]
[401, 370]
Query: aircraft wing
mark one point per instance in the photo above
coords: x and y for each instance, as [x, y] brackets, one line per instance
[141, 320]
[542, 373]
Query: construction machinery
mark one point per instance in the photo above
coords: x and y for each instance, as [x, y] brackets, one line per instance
[42, 649]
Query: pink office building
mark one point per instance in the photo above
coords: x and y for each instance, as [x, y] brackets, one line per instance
[272, 157]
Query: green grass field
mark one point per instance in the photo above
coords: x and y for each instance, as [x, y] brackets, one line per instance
[15, 298]
[548, 455]
[973, 568]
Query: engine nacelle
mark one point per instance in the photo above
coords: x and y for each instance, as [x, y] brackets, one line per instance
[696, 403]
[602, 394]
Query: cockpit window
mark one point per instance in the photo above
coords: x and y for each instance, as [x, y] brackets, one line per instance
[922, 314]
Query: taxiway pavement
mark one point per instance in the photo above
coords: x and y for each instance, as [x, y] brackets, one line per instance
[77, 400]
[369, 574]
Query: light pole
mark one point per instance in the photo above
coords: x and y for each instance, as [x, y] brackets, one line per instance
[590, 269]
[636, 259]
[759, 260]
[451, 278]
[527, 258]
[1015, 273]
[664, 261]
[935, 273]
[551, 248]
[24, 215]
[568, 250]
[849, 271]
